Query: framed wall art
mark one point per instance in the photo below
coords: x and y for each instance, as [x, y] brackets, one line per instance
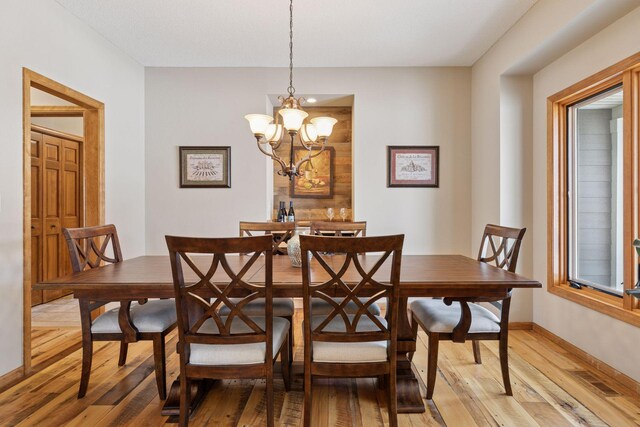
[205, 167]
[316, 177]
[413, 166]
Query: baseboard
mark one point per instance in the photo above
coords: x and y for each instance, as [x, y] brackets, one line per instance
[520, 326]
[11, 378]
[608, 370]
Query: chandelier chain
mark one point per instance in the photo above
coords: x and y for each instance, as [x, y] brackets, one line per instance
[291, 89]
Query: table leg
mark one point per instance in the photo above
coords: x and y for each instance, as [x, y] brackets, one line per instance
[408, 389]
[199, 390]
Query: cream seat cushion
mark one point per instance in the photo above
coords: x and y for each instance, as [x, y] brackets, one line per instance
[282, 307]
[154, 316]
[321, 307]
[436, 316]
[237, 354]
[349, 352]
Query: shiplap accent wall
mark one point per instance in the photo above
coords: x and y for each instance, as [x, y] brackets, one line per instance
[594, 196]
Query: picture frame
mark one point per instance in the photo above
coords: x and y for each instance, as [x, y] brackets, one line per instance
[316, 179]
[413, 166]
[205, 167]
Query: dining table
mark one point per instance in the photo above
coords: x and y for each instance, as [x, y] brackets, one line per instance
[443, 276]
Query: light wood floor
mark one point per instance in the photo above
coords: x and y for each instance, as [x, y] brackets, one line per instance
[551, 388]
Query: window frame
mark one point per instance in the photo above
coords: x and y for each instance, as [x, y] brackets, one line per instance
[627, 74]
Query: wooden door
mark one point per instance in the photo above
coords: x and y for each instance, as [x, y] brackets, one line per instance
[36, 215]
[59, 190]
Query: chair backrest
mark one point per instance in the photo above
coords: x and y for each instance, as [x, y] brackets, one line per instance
[214, 284]
[281, 231]
[88, 246]
[501, 246]
[359, 282]
[356, 228]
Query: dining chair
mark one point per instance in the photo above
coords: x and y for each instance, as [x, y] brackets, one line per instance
[339, 228]
[330, 228]
[441, 319]
[235, 345]
[360, 344]
[131, 322]
[281, 232]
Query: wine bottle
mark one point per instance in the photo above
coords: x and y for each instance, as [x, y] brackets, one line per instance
[291, 216]
[280, 209]
[283, 212]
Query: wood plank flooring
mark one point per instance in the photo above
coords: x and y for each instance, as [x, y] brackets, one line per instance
[551, 388]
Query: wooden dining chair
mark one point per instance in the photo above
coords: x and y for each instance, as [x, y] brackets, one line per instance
[338, 228]
[235, 345]
[131, 322]
[360, 344]
[460, 319]
[281, 232]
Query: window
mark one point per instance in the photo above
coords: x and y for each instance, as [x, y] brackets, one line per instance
[595, 192]
[593, 176]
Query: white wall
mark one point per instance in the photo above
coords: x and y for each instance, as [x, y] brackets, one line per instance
[610, 340]
[42, 36]
[392, 106]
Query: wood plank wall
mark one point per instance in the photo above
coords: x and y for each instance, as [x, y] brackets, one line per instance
[341, 141]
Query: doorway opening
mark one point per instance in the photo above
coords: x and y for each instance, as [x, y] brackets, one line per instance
[63, 188]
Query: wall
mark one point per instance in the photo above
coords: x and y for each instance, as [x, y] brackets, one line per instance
[392, 106]
[605, 338]
[501, 83]
[66, 50]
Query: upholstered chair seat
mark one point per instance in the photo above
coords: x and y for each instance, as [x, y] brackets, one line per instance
[237, 354]
[153, 316]
[436, 316]
[349, 352]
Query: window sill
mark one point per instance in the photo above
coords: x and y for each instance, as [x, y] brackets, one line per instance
[606, 304]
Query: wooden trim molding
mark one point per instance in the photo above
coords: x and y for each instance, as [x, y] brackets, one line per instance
[56, 111]
[608, 370]
[93, 172]
[56, 133]
[625, 73]
[11, 378]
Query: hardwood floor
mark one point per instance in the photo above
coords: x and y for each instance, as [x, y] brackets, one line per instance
[551, 388]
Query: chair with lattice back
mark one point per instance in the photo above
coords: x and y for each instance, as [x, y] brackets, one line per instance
[344, 343]
[280, 232]
[460, 319]
[339, 228]
[147, 320]
[226, 344]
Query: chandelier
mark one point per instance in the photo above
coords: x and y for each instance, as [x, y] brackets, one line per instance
[289, 123]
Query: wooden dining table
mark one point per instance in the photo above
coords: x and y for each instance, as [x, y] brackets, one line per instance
[446, 276]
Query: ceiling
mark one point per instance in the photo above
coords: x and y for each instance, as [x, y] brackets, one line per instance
[327, 33]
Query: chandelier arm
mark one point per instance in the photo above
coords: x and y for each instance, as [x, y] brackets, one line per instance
[309, 157]
[273, 156]
[276, 146]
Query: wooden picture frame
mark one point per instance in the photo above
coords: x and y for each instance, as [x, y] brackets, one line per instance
[413, 166]
[316, 179]
[205, 167]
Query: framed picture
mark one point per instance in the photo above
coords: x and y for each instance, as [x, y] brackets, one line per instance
[316, 178]
[413, 166]
[205, 167]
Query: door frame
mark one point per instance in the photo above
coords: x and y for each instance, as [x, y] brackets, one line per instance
[92, 112]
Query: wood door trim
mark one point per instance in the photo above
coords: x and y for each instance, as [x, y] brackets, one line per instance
[56, 111]
[56, 133]
[93, 171]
